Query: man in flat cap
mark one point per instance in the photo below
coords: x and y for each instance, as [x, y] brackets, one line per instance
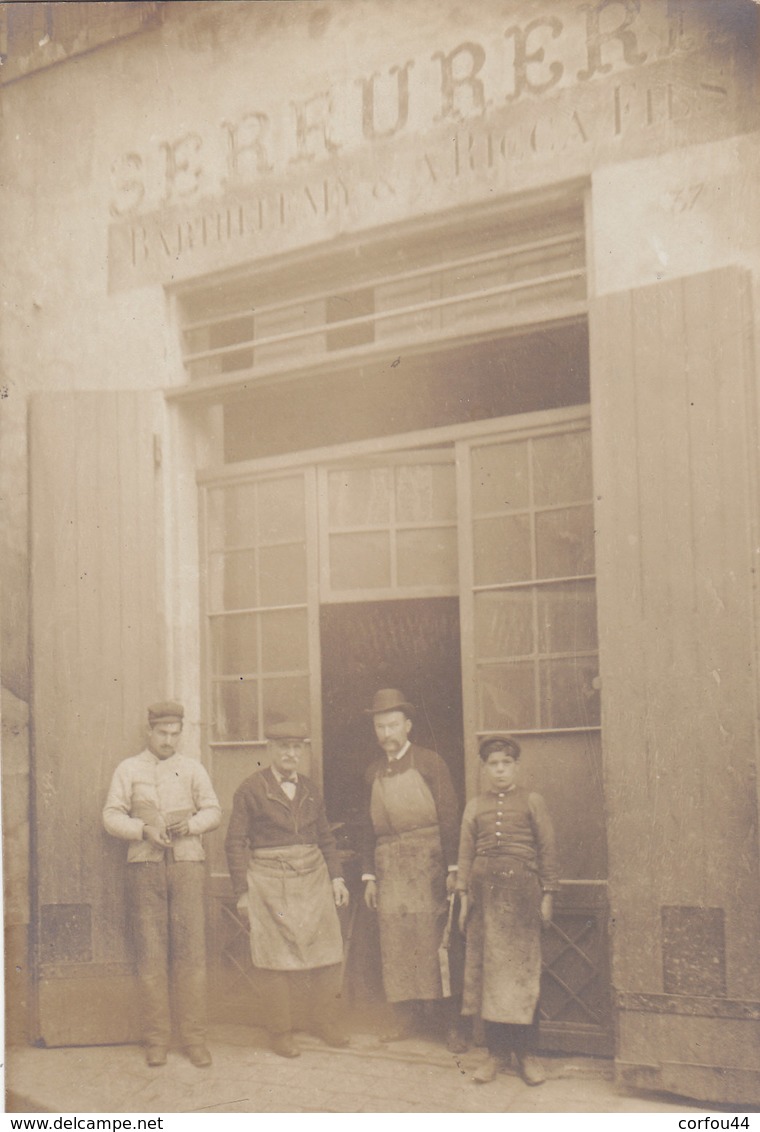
[286, 874]
[161, 803]
[410, 840]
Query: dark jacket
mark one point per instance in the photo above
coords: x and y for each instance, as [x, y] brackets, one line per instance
[264, 817]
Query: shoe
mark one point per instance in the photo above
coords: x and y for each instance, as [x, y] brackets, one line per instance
[332, 1036]
[530, 1068]
[456, 1042]
[155, 1056]
[284, 1046]
[486, 1071]
[198, 1056]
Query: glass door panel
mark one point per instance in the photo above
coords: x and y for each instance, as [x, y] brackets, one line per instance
[262, 623]
[530, 667]
[388, 530]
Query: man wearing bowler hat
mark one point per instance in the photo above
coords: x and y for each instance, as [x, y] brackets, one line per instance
[161, 803]
[286, 874]
[410, 840]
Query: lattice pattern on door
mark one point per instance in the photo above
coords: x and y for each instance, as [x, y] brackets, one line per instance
[575, 1007]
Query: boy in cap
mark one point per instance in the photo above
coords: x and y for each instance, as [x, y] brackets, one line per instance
[286, 874]
[507, 878]
[161, 803]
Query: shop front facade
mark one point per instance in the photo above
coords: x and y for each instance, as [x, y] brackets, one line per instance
[369, 344]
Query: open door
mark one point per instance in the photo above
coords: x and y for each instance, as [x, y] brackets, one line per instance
[97, 659]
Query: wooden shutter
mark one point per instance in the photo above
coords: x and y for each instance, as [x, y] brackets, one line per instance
[97, 659]
[676, 516]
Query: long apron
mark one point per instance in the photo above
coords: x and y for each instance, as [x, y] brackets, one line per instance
[411, 890]
[502, 969]
[294, 924]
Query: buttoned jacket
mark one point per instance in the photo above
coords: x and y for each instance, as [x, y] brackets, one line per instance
[263, 817]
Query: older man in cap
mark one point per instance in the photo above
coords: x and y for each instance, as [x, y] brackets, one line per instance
[410, 839]
[161, 803]
[286, 873]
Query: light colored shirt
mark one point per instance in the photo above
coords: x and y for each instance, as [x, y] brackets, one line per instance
[287, 785]
[146, 790]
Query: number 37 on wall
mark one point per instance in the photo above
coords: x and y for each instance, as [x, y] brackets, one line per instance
[682, 199]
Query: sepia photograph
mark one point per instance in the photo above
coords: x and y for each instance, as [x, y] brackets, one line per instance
[380, 557]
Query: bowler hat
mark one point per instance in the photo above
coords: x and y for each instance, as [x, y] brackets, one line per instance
[165, 711]
[287, 730]
[389, 699]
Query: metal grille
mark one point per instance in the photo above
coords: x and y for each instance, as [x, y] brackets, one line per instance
[447, 285]
[575, 1007]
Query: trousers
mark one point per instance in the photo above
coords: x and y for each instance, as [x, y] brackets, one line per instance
[290, 1000]
[504, 1038]
[166, 902]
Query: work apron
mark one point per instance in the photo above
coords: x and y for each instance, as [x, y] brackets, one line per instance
[502, 969]
[411, 885]
[291, 907]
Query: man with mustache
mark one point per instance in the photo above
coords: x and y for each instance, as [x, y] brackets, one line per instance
[410, 840]
[286, 873]
[161, 803]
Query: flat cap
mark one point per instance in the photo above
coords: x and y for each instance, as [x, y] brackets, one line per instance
[389, 699]
[165, 711]
[505, 743]
[288, 729]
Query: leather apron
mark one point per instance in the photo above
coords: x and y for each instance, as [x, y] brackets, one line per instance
[411, 885]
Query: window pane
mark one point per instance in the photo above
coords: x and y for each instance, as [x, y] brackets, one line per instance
[232, 580]
[502, 550]
[565, 542]
[234, 649]
[507, 696]
[281, 510]
[568, 695]
[215, 582]
[562, 468]
[284, 641]
[425, 493]
[500, 477]
[235, 708]
[231, 516]
[286, 698]
[504, 624]
[360, 561]
[301, 316]
[427, 557]
[282, 577]
[407, 293]
[567, 617]
[359, 497]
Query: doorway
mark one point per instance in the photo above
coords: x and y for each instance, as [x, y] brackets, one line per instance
[457, 565]
[411, 644]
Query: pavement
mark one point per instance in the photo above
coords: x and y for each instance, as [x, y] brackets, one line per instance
[413, 1076]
